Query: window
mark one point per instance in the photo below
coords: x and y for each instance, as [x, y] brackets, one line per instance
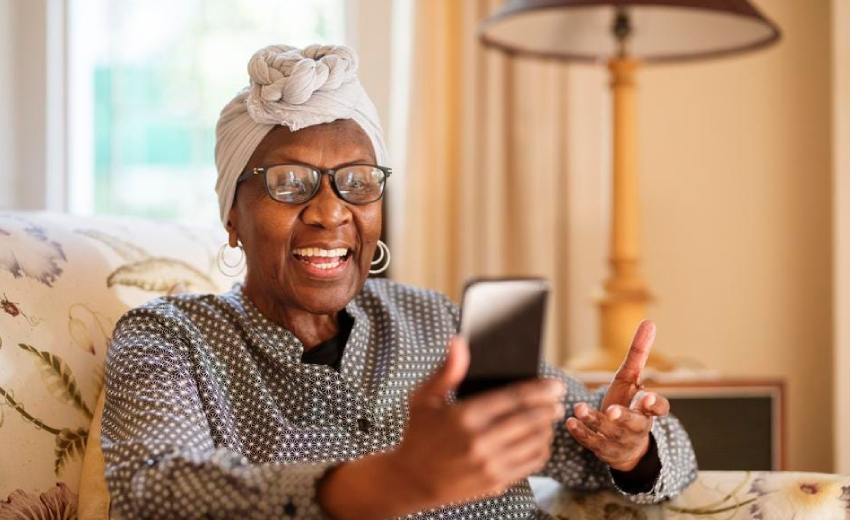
[148, 79]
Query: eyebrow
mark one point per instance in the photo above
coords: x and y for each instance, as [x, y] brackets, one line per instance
[288, 160]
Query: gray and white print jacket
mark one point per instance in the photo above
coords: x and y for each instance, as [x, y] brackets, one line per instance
[211, 414]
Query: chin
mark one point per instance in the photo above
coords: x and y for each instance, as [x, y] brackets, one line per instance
[328, 301]
[321, 296]
[319, 292]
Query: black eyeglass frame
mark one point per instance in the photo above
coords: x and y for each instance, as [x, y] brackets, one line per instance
[332, 172]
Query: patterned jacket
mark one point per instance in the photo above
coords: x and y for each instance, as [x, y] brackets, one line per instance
[210, 412]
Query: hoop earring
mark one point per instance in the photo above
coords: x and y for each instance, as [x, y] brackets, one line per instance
[385, 251]
[240, 264]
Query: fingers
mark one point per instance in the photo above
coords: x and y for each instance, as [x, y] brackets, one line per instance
[483, 409]
[598, 422]
[652, 404]
[519, 425]
[632, 420]
[448, 376]
[616, 424]
[529, 461]
[638, 353]
[610, 451]
[525, 456]
[617, 436]
[585, 436]
[519, 468]
[526, 447]
[514, 447]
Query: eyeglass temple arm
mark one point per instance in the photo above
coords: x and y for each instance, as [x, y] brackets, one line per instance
[249, 174]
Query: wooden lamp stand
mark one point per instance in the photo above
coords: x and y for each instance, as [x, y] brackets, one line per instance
[622, 305]
[643, 31]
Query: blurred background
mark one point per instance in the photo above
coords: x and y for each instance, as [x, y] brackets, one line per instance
[502, 168]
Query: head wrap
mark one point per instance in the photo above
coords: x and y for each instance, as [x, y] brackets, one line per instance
[296, 88]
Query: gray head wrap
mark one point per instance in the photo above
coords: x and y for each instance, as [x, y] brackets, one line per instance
[296, 88]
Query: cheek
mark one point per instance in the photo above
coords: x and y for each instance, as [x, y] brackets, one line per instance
[269, 232]
[369, 221]
[370, 218]
[369, 228]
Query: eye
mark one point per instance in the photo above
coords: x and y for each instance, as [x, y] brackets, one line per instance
[289, 187]
[295, 183]
[289, 182]
[355, 179]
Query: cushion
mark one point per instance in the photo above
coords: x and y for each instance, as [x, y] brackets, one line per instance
[715, 495]
[94, 495]
[64, 282]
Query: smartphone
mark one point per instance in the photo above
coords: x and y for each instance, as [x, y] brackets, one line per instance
[502, 320]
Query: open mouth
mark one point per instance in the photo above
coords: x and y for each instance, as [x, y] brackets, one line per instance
[325, 259]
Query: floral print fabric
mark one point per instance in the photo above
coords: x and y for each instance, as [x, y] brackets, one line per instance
[716, 495]
[64, 281]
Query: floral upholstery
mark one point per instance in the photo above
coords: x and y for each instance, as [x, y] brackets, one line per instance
[715, 495]
[64, 282]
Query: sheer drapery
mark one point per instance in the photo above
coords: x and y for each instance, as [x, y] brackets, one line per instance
[486, 187]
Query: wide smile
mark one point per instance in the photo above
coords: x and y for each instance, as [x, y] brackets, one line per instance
[323, 263]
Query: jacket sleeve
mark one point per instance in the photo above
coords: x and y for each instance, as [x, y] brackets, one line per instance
[161, 461]
[577, 467]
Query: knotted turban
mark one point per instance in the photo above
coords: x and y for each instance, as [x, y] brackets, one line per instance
[296, 88]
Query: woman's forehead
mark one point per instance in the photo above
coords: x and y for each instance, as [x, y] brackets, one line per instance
[325, 145]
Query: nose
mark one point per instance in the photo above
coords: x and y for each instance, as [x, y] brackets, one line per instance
[326, 209]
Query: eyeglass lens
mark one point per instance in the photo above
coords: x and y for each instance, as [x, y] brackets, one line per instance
[358, 184]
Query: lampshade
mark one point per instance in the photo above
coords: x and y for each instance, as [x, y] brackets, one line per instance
[660, 30]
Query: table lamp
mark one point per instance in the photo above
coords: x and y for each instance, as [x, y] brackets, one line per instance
[624, 34]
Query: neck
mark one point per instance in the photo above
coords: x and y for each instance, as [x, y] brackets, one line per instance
[311, 329]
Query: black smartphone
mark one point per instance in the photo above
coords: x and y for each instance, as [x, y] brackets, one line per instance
[502, 320]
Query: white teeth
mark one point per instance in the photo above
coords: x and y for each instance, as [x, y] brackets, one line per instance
[315, 251]
[329, 265]
[335, 256]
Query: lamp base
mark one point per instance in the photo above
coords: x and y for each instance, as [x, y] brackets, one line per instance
[606, 361]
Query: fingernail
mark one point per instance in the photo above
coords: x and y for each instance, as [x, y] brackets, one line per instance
[581, 412]
[650, 400]
[615, 413]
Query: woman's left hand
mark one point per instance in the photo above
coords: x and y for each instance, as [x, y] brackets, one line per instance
[619, 436]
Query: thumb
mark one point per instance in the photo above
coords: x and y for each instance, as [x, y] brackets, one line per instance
[448, 376]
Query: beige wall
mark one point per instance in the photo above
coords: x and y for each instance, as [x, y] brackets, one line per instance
[737, 213]
[368, 29]
[24, 98]
[7, 148]
[736, 180]
[841, 153]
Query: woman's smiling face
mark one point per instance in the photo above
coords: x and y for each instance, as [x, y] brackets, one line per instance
[282, 240]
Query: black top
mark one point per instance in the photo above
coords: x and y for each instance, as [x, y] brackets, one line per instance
[329, 352]
[642, 478]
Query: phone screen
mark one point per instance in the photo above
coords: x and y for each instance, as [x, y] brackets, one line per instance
[502, 321]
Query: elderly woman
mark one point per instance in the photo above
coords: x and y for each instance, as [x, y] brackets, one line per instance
[312, 391]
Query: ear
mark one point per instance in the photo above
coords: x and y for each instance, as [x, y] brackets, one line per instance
[232, 235]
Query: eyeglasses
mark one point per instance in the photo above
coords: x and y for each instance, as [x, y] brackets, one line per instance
[298, 183]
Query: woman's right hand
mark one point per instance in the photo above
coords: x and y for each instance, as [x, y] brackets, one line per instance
[453, 452]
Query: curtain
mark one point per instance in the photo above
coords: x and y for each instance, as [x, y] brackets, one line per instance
[485, 185]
